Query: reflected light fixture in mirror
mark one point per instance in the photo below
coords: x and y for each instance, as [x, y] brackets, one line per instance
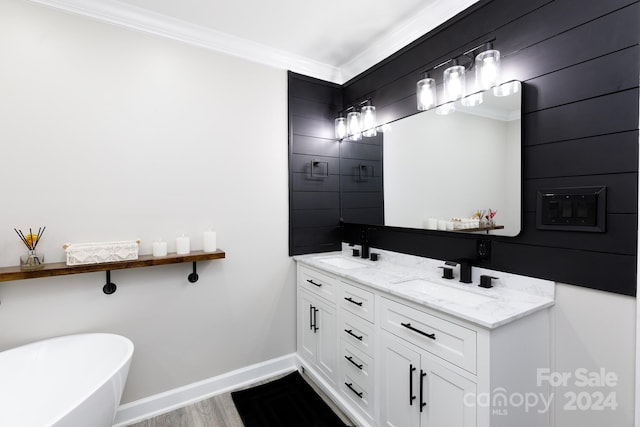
[426, 92]
[472, 100]
[506, 89]
[354, 127]
[369, 121]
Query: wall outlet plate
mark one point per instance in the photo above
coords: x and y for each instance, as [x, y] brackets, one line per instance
[483, 249]
[572, 209]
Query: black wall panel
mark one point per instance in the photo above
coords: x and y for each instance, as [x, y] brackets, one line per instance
[314, 166]
[579, 61]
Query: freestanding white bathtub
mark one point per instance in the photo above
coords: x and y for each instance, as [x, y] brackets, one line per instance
[70, 381]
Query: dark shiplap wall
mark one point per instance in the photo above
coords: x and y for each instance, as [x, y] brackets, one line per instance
[579, 61]
[314, 201]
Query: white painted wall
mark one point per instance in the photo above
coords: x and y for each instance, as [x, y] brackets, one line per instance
[593, 331]
[108, 134]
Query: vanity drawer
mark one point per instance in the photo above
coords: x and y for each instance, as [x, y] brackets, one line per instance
[357, 332]
[360, 395]
[357, 301]
[318, 283]
[453, 343]
[357, 364]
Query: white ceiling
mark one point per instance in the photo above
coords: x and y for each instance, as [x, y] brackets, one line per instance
[331, 39]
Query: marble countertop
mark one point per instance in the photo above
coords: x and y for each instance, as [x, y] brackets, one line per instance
[420, 280]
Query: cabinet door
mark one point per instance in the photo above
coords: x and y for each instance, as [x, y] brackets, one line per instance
[399, 369]
[325, 328]
[307, 341]
[444, 394]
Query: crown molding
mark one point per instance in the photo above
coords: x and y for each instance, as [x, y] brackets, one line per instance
[133, 17]
[404, 34]
[126, 15]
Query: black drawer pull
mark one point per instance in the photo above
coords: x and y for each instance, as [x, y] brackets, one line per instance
[408, 326]
[353, 302]
[314, 283]
[359, 394]
[315, 320]
[350, 359]
[422, 402]
[350, 332]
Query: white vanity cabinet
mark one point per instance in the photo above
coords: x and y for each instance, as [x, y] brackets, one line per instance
[440, 371]
[418, 388]
[317, 321]
[392, 360]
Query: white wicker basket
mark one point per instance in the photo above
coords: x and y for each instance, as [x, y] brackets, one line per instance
[96, 253]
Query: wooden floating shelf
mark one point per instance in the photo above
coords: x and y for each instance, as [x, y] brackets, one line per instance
[469, 230]
[62, 269]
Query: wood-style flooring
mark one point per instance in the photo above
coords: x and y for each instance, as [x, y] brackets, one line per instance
[219, 411]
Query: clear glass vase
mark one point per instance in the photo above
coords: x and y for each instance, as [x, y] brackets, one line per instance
[32, 260]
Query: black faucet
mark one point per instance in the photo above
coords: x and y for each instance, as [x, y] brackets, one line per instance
[364, 243]
[465, 269]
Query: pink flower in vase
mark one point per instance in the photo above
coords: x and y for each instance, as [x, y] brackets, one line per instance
[490, 217]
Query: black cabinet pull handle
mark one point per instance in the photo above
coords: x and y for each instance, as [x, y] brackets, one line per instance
[350, 332]
[310, 317]
[408, 326]
[350, 359]
[359, 394]
[411, 396]
[353, 302]
[422, 402]
[315, 319]
[314, 283]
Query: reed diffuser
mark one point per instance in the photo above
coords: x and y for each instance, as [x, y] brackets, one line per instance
[33, 260]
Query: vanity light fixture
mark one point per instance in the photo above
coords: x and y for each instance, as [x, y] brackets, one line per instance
[357, 123]
[426, 92]
[487, 71]
[487, 65]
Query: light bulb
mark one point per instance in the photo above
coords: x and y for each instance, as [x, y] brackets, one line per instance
[487, 69]
[454, 82]
[369, 121]
[353, 126]
[426, 93]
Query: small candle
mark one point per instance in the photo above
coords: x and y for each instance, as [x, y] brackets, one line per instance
[159, 248]
[442, 224]
[210, 244]
[183, 245]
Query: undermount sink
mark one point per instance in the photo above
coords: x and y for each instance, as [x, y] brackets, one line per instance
[344, 263]
[445, 292]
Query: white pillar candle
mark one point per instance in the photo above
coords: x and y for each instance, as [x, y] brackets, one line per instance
[432, 224]
[183, 245]
[210, 244]
[159, 248]
[442, 225]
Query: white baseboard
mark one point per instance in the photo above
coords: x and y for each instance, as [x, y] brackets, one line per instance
[161, 403]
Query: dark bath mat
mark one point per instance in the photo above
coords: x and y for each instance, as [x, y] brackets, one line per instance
[286, 402]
